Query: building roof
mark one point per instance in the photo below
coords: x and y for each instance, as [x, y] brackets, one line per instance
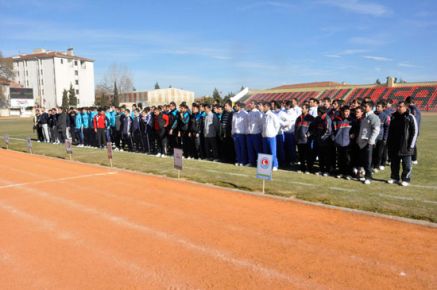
[309, 85]
[49, 54]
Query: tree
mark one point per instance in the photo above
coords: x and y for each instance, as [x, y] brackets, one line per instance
[116, 98]
[65, 100]
[242, 88]
[378, 82]
[72, 96]
[157, 86]
[216, 95]
[6, 67]
[228, 96]
[116, 74]
[7, 73]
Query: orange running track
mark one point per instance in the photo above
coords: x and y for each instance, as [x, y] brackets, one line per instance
[67, 225]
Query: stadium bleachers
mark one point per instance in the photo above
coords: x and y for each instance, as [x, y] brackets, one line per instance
[425, 96]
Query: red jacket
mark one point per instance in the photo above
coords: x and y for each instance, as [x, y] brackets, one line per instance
[99, 121]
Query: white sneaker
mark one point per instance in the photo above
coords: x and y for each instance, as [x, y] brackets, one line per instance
[381, 168]
[415, 162]
[367, 181]
[404, 183]
[163, 156]
[355, 171]
[375, 170]
[158, 155]
[392, 181]
[275, 168]
[325, 174]
[348, 177]
[236, 164]
[339, 176]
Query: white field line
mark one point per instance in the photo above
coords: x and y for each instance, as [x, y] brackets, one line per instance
[235, 174]
[406, 198]
[256, 267]
[342, 189]
[56, 179]
[73, 240]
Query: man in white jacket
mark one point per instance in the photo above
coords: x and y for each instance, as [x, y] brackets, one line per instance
[254, 130]
[290, 142]
[271, 126]
[284, 122]
[239, 132]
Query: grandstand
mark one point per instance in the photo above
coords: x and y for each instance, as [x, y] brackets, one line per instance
[425, 93]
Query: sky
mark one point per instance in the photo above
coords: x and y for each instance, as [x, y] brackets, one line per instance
[201, 45]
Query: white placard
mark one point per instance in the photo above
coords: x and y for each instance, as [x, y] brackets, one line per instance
[177, 158]
[264, 167]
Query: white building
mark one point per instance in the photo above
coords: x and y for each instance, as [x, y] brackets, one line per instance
[49, 73]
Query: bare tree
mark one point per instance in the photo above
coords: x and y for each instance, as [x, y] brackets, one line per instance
[6, 73]
[6, 67]
[119, 74]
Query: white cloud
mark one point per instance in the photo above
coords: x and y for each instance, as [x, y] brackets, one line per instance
[360, 7]
[346, 52]
[408, 65]
[377, 58]
[273, 4]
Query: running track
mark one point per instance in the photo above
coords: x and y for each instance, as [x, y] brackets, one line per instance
[66, 225]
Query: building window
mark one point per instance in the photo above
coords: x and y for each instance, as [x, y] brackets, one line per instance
[42, 82]
[42, 92]
[75, 62]
[77, 82]
[62, 61]
[42, 72]
[77, 92]
[27, 73]
[76, 72]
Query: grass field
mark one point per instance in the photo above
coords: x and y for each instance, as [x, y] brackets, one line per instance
[419, 201]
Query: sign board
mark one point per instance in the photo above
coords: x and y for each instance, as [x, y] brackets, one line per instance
[29, 144]
[21, 97]
[264, 167]
[177, 157]
[6, 139]
[68, 146]
[109, 149]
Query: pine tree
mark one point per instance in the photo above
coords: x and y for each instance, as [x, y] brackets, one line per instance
[242, 88]
[157, 86]
[378, 82]
[65, 100]
[116, 99]
[216, 95]
[72, 96]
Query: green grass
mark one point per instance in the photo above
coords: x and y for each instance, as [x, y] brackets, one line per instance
[419, 201]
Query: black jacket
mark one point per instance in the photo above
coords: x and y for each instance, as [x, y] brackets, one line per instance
[226, 125]
[62, 121]
[402, 134]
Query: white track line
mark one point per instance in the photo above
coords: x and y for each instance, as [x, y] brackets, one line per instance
[256, 267]
[73, 240]
[56, 179]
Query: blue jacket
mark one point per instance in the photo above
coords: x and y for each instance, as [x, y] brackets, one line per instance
[78, 121]
[92, 115]
[85, 120]
[302, 126]
[342, 128]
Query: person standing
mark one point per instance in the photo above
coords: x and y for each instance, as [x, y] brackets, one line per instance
[227, 152]
[402, 137]
[99, 123]
[381, 140]
[254, 130]
[62, 123]
[239, 132]
[86, 125]
[342, 125]
[369, 131]
[211, 127]
[302, 134]
[161, 122]
[78, 130]
[44, 119]
[271, 127]
[414, 110]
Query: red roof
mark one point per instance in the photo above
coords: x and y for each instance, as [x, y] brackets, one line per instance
[308, 85]
[49, 54]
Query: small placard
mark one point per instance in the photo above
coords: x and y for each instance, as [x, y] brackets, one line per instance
[6, 139]
[109, 149]
[177, 157]
[264, 167]
[29, 143]
[68, 146]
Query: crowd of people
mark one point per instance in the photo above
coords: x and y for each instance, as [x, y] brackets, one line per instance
[325, 137]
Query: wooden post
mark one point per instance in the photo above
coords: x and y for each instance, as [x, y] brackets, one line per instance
[264, 185]
[179, 174]
[110, 162]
